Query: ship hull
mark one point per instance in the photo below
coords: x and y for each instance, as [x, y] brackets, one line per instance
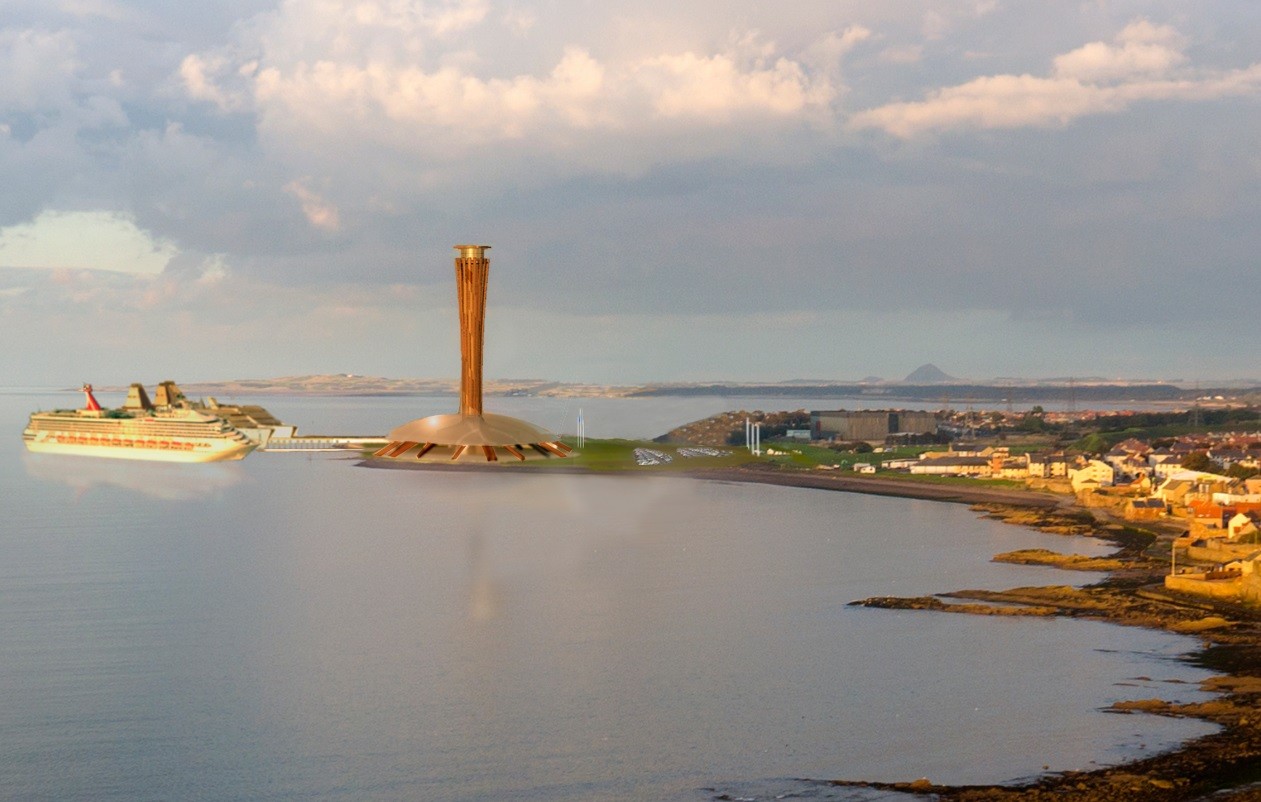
[215, 452]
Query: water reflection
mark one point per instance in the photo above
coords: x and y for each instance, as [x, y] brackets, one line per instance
[558, 525]
[484, 592]
[161, 480]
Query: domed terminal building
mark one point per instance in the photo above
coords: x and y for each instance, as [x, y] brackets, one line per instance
[471, 435]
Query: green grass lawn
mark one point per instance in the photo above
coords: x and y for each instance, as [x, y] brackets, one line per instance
[600, 456]
[808, 456]
[619, 455]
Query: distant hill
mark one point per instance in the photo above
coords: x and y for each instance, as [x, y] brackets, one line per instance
[928, 374]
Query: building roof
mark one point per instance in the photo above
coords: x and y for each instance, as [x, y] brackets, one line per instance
[1130, 446]
[1048, 456]
[944, 462]
[1227, 453]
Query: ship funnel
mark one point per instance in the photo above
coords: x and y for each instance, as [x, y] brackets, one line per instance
[91, 404]
[137, 398]
[169, 395]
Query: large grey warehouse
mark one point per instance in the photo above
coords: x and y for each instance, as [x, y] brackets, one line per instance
[869, 425]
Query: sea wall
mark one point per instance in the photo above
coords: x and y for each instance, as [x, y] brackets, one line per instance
[1195, 584]
[1246, 588]
[1053, 485]
[1251, 591]
[1094, 500]
[1218, 554]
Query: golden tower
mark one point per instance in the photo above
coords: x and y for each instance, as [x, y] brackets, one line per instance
[471, 434]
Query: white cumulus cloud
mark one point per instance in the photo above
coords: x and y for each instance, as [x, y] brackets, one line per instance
[319, 212]
[1141, 49]
[197, 75]
[96, 240]
[319, 75]
[1144, 62]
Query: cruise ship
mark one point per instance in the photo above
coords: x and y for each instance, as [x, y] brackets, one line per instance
[168, 429]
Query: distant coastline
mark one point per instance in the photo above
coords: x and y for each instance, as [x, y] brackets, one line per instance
[954, 393]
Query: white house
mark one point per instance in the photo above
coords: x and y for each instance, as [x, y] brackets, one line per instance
[954, 466]
[899, 464]
[1240, 525]
[1095, 472]
[1164, 465]
[1048, 466]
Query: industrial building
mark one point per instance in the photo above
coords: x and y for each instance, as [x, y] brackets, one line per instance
[873, 425]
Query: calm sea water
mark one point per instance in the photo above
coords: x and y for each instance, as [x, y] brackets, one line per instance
[604, 417]
[297, 627]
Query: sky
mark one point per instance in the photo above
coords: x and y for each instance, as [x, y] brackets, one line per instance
[703, 191]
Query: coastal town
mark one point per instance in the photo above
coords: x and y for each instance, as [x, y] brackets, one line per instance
[1206, 485]
[1176, 492]
[1198, 490]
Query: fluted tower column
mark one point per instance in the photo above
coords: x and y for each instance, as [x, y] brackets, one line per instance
[471, 434]
[472, 269]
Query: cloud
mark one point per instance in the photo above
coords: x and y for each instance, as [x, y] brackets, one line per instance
[435, 18]
[93, 8]
[1140, 50]
[631, 158]
[460, 107]
[902, 54]
[317, 77]
[319, 213]
[519, 21]
[937, 23]
[454, 16]
[1000, 101]
[37, 66]
[1144, 62]
[87, 240]
[716, 88]
[578, 92]
[195, 73]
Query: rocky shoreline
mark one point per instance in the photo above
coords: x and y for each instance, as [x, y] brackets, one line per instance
[1223, 767]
